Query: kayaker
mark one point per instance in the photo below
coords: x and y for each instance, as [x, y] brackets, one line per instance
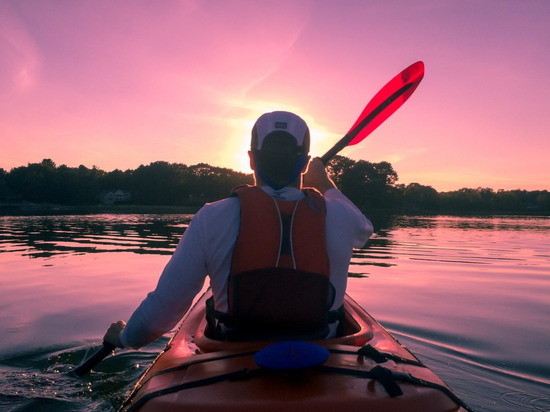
[265, 263]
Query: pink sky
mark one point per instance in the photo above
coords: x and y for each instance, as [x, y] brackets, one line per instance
[120, 84]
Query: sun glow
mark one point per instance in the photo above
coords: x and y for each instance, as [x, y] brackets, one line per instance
[321, 139]
[238, 145]
[235, 153]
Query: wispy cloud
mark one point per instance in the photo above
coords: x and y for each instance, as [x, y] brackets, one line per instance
[19, 55]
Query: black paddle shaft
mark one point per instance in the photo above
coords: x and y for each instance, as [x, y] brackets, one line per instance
[97, 357]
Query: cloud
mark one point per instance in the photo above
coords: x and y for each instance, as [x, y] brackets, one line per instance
[20, 64]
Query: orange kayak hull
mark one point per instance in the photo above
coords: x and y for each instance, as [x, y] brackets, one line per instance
[197, 373]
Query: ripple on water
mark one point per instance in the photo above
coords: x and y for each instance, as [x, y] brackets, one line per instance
[521, 401]
[40, 380]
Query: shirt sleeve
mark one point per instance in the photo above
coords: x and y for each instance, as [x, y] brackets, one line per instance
[361, 228]
[181, 280]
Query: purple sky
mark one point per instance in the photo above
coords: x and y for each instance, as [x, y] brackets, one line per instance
[120, 84]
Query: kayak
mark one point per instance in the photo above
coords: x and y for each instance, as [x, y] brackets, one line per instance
[363, 368]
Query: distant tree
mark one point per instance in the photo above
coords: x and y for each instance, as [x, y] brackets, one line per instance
[162, 183]
[157, 184]
[337, 166]
[418, 197]
[461, 200]
[512, 200]
[35, 182]
[368, 185]
[78, 186]
[543, 200]
[116, 179]
[48, 164]
[3, 184]
[213, 183]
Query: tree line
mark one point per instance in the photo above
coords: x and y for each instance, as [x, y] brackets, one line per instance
[371, 186]
[374, 186]
[159, 183]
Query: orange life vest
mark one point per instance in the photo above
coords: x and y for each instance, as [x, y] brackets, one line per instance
[279, 284]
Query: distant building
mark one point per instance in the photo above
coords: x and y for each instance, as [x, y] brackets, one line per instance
[110, 197]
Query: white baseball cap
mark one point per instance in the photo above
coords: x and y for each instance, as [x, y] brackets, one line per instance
[279, 123]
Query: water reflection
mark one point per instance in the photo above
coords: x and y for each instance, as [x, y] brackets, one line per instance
[469, 295]
[43, 237]
[482, 223]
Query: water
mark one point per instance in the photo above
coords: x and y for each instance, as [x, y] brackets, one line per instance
[469, 296]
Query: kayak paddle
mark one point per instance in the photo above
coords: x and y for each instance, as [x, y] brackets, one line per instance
[382, 105]
[97, 357]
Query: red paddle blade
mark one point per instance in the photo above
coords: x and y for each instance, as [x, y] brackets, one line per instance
[387, 101]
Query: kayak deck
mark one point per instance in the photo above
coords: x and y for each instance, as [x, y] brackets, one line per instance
[367, 368]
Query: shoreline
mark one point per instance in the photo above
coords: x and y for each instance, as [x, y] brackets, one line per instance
[48, 209]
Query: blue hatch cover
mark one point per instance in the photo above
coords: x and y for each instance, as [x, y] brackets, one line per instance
[291, 355]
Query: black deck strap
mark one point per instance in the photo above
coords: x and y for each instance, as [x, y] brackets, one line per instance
[200, 361]
[236, 375]
[371, 352]
[187, 364]
[386, 378]
[379, 373]
[406, 377]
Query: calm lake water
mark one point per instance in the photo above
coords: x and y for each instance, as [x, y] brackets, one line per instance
[469, 296]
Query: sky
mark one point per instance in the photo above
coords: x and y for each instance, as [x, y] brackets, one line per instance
[118, 84]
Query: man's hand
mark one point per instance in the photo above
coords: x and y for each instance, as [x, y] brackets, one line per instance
[112, 335]
[316, 176]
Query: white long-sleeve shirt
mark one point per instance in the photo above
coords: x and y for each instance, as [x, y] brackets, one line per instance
[206, 249]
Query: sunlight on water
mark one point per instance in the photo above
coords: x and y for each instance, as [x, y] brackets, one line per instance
[469, 296]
